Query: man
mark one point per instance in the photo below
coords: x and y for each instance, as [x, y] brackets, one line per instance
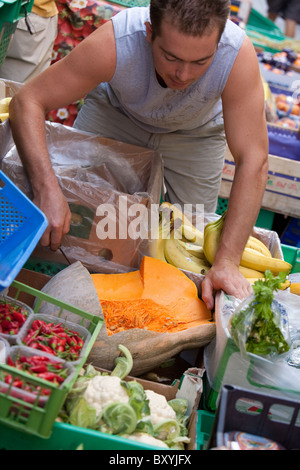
[289, 10]
[164, 81]
[30, 51]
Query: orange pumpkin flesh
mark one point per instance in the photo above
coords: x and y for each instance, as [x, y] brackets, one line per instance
[158, 297]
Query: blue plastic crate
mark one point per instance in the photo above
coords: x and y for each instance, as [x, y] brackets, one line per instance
[21, 226]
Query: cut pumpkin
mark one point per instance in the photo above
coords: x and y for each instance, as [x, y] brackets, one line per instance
[158, 297]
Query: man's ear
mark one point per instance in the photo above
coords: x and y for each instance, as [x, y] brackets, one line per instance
[148, 31]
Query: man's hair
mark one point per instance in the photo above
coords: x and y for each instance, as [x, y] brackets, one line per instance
[191, 17]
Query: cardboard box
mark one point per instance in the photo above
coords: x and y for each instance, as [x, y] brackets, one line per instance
[282, 194]
[105, 183]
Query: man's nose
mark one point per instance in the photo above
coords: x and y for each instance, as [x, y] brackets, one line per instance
[183, 71]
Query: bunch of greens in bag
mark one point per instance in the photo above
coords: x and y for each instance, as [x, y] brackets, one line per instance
[261, 325]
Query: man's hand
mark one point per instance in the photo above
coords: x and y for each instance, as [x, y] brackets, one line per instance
[54, 205]
[224, 276]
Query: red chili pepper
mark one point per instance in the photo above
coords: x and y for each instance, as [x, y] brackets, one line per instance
[36, 324]
[46, 329]
[40, 360]
[7, 324]
[17, 383]
[51, 376]
[10, 362]
[45, 348]
[38, 369]
[63, 334]
[20, 317]
[8, 379]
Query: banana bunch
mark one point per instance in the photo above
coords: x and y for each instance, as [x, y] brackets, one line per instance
[179, 242]
[4, 108]
[256, 257]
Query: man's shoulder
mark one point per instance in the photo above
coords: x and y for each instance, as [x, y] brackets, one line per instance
[131, 20]
[233, 35]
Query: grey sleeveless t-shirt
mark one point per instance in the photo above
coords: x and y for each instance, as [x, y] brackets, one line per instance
[134, 88]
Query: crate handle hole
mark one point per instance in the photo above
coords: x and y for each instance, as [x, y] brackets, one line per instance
[283, 414]
[249, 406]
[2, 183]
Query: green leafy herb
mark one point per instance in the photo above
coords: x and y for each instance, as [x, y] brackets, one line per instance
[262, 333]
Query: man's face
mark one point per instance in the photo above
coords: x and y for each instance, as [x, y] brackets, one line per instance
[180, 59]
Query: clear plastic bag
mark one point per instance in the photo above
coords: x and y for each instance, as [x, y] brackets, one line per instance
[263, 332]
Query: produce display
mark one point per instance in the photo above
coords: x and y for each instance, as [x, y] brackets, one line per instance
[12, 316]
[287, 104]
[157, 297]
[280, 62]
[111, 404]
[4, 108]
[183, 246]
[54, 338]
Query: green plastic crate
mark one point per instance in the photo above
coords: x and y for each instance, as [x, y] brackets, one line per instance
[264, 33]
[44, 266]
[11, 11]
[34, 417]
[260, 23]
[205, 421]
[264, 220]
[291, 254]
[68, 437]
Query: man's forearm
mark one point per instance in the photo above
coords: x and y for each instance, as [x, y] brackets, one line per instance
[28, 129]
[243, 208]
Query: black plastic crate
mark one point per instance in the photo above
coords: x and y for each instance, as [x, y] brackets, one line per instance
[271, 417]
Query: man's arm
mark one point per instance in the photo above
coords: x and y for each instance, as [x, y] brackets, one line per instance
[90, 63]
[247, 138]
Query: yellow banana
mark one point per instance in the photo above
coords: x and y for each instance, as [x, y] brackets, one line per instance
[177, 213]
[189, 230]
[3, 116]
[295, 288]
[4, 105]
[250, 258]
[254, 260]
[258, 245]
[192, 234]
[157, 246]
[250, 273]
[192, 248]
[211, 240]
[176, 255]
[285, 285]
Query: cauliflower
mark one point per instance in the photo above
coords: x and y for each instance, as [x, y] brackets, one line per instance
[160, 409]
[146, 439]
[103, 390]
